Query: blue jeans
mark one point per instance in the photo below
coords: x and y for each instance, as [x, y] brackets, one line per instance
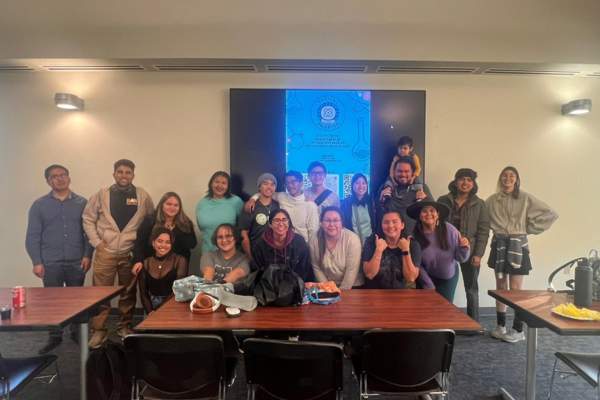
[447, 287]
[63, 274]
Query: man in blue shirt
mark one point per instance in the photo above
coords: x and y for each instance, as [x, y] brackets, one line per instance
[56, 242]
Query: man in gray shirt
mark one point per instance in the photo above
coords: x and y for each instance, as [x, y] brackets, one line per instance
[55, 240]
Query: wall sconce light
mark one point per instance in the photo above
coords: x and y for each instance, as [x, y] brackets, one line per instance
[68, 101]
[577, 107]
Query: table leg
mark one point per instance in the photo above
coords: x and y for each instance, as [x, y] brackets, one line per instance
[530, 375]
[83, 350]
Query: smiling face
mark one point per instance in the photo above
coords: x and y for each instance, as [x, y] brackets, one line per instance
[403, 173]
[59, 179]
[392, 226]
[162, 245]
[464, 185]
[219, 186]
[360, 187]
[293, 185]
[267, 188]
[280, 224]
[123, 176]
[317, 176]
[332, 224]
[171, 207]
[508, 180]
[225, 239]
[429, 216]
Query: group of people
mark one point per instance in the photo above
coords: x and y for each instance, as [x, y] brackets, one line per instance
[398, 238]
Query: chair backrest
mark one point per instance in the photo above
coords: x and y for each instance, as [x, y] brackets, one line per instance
[176, 364]
[294, 370]
[406, 358]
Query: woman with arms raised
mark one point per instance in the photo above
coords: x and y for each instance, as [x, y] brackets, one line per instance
[442, 245]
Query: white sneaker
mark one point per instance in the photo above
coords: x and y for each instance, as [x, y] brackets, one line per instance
[499, 332]
[513, 336]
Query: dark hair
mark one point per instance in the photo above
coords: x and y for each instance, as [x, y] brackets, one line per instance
[284, 212]
[321, 234]
[124, 163]
[405, 140]
[295, 174]
[316, 164]
[182, 221]
[515, 193]
[215, 176]
[234, 231]
[159, 230]
[454, 189]
[54, 166]
[405, 160]
[379, 229]
[441, 234]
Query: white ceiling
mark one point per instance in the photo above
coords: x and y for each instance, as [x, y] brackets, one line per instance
[540, 31]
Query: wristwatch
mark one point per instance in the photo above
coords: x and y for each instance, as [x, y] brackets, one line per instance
[404, 253]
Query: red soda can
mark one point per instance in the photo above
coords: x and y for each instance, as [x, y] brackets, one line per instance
[18, 297]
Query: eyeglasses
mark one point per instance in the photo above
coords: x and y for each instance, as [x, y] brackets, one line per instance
[281, 221]
[224, 237]
[58, 176]
[332, 221]
[317, 172]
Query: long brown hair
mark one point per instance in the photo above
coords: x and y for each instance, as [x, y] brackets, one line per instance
[182, 221]
[516, 191]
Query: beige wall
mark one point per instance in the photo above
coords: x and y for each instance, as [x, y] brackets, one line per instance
[175, 127]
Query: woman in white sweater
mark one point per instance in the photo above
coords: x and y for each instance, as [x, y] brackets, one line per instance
[335, 252]
[513, 215]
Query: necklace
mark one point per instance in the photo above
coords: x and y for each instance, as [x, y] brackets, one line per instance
[160, 266]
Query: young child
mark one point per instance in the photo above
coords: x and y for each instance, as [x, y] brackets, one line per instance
[405, 148]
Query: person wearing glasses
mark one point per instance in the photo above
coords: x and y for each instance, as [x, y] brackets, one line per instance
[335, 252]
[55, 241]
[226, 264]
[318, 192]
[281, 245]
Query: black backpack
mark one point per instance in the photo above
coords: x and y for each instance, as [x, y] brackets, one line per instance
[106, 372]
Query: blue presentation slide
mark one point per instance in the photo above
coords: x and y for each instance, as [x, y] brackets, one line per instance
[331, 126]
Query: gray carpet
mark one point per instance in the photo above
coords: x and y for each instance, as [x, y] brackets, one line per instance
[480, 366]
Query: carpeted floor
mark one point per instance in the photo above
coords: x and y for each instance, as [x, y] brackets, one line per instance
[480, 366]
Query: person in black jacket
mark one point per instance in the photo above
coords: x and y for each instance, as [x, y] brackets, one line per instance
[358, 211]
[280, 245]
[169, 214]
[469, 214]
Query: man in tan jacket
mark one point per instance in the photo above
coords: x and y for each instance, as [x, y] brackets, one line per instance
[110, 221]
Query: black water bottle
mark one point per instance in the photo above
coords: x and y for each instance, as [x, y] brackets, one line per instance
[583, 284]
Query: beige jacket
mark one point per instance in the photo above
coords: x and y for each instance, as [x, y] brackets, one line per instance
[521, 216]
[100, 227]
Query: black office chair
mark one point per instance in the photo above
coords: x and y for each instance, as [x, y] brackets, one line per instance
[585, 365]
[16, 373]
[190, 366]
[415, 362]
[282, 369]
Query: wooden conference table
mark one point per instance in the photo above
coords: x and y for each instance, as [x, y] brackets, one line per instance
[57, 307]
[358, 310]
[534, 308]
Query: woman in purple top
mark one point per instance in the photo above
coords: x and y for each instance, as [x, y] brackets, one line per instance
[442, 245]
